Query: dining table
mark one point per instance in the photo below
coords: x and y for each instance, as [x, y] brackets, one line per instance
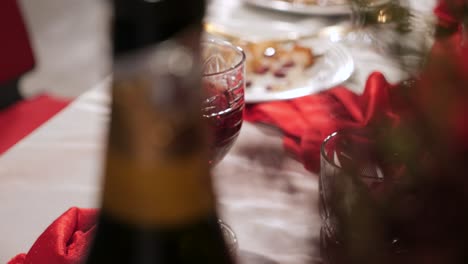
[265, 195]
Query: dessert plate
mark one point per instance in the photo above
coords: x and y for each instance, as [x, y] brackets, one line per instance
[334, 66]
[321, 7]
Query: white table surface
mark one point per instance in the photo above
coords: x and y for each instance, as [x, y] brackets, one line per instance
[268, 198]
[59, 166]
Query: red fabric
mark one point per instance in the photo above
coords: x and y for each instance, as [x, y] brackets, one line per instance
[65, 241]
[306, 121]
[20, 119]
[16, 56]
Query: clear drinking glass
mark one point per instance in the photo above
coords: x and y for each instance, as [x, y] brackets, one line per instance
[223, 81]
[359, 219]
[380, 202]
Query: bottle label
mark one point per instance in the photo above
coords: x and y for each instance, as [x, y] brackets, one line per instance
[161, 194]
[157, 171]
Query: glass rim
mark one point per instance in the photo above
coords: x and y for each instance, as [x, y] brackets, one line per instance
[358, 131]
[230, 46]
[323, 154]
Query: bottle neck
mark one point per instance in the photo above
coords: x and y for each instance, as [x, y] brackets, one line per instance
[140, 23]
[157, 170]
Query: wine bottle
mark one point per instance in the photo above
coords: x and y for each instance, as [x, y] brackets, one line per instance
[157, 204]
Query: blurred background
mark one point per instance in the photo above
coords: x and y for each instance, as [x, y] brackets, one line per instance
[70, 42]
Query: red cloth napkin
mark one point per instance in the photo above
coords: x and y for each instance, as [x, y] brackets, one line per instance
[20, 119]
[65, 241]
[307, 121]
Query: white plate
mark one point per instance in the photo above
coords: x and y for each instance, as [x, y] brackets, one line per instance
[241, 20]
[237, 19]
[333, 68]
[303, 9]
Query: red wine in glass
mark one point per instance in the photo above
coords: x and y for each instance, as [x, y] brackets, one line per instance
[223, 83]
[223, 112]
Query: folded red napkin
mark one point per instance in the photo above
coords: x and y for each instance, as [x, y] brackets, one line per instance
[20, 119]
[65, 241]
[306, 121]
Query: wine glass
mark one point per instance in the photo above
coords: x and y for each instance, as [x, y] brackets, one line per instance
[223, 81]
[351, 182]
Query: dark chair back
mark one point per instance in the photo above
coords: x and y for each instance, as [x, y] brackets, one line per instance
[16, 55]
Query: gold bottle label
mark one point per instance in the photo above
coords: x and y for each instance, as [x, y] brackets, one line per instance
[157, 170]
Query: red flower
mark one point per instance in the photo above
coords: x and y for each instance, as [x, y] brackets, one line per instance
[441, 95]
[451, 12]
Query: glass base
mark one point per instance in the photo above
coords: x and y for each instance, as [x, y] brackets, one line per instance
[229, 237]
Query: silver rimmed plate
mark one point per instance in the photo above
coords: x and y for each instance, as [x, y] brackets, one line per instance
[321, 7]
[333, 67]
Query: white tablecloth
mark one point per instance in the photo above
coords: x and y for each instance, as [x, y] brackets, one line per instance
[264, 195]
[268, 198]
